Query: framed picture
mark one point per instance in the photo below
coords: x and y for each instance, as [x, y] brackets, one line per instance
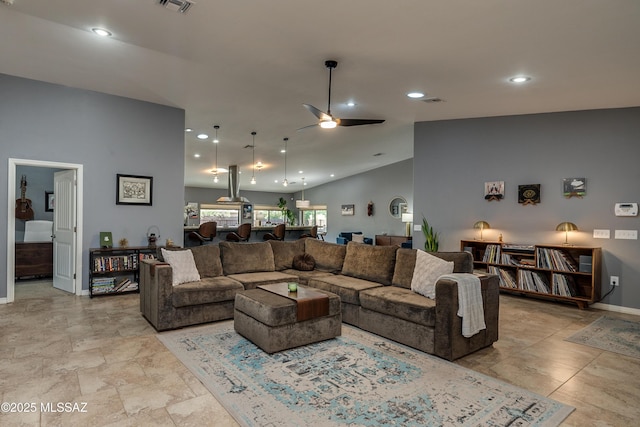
[574, 187]
[494, 190]
[347, 210]
[134, 190]
[529, 194]
[49, 201]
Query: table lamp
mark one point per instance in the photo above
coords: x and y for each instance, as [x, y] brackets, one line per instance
[407, 217]
[566, 227]
[482, 225]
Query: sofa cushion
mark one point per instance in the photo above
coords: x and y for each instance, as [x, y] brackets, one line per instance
[374, 263]
[406, 261]
[205, 291]
[401, 303]
[304, 262]
[240, 258]
[348, 288]
[183, 266]
[285, 251]
[328, 256]
[357, 238]
[426, 272]
[207, 258]
[253, 280]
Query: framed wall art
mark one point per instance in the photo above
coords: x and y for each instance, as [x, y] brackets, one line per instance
[574, 187]
[134, 190]
[49, 201]
[494, 190]
[347, 210]
[529, 194]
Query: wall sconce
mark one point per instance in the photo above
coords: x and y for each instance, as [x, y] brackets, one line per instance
[482, 225]
[566, 227]
[407, 217]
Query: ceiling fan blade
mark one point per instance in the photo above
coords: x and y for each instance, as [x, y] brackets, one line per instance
[319, 114]
[358, 122]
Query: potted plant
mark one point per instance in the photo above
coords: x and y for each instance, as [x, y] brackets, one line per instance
[287, 213]
[431, 237]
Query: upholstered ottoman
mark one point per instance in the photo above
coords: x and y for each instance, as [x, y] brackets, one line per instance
[274, 321]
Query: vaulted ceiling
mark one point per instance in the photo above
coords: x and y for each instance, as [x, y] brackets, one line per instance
[250, 65]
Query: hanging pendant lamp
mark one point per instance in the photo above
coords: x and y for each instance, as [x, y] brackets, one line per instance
[300, 204]
[215, 141]
[285, 182]
[253, 164]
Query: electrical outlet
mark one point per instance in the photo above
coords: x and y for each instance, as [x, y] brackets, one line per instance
[614, 281]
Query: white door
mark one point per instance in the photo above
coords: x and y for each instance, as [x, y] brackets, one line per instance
[64, 230]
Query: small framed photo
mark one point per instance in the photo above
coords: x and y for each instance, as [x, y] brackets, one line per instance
[494, 190]
[574, 187]
[134, 190]
[49, 201]
[347, 210]
[529, 194]
[247, 211]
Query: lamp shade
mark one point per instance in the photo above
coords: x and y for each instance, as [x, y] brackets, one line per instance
[567, 226]
[482, 225]
[407, 217]
[303, 203]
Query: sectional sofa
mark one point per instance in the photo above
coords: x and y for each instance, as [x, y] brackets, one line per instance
[373, 282]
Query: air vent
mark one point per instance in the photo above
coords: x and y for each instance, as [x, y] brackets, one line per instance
[180, 6]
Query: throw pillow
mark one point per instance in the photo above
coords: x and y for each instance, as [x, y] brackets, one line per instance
[426, 272]
[183, 266]
[304, 262]
[358, 238]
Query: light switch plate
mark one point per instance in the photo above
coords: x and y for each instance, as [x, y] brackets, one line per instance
[417, 227]
[601, 234]
[627, 234]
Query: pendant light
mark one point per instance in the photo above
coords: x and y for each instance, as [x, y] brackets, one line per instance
[303, 203]
[285, 182]
[215, 141]
[253, 148]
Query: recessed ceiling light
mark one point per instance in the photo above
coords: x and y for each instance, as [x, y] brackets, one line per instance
[300, 171]
[196, 155]
[415, 95]
[351, 104]
[519, 79]
[332, 175]
[283, 151]
[188, 130]
[203, 136]
[101, 32]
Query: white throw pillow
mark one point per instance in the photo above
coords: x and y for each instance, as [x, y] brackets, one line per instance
[426, 272]
[183, 265]
[358, 238]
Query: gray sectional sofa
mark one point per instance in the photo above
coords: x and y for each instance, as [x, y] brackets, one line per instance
[373, 282]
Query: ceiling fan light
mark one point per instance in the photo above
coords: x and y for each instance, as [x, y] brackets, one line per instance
[328, 124]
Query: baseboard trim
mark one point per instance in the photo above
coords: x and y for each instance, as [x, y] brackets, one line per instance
[3, 300]
[616, 308]
[84, 293]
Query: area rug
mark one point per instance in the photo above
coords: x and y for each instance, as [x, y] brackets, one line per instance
[611, 334]
[358, 379]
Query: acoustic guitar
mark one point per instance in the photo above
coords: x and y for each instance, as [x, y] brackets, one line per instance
[23, 205]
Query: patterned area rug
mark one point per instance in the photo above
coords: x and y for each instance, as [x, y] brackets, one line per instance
[611, 334]
[358, 379]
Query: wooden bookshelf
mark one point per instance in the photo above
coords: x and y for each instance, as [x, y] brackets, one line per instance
[116, 270]
[561, 273]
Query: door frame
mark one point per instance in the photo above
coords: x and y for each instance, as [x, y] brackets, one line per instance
[11, 220]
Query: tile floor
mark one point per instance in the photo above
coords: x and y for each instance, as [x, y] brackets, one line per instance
[60, 348]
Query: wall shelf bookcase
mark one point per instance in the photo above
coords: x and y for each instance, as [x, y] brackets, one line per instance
[556, 272]
[116, 270]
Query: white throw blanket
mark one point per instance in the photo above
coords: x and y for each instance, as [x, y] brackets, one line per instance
[469, 302]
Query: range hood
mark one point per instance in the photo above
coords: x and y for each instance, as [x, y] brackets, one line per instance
[233, 189]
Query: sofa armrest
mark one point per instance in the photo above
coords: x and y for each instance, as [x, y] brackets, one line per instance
[156, 289]
[449, 342]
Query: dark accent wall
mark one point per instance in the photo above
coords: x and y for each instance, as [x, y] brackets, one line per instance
[454, 158]
[107, 135]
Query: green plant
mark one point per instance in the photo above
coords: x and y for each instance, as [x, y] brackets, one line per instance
[431, 237]
[287, 213]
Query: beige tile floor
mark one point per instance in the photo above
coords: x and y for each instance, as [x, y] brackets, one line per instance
[60, 348]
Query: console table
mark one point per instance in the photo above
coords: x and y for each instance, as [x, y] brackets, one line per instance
[385, 240]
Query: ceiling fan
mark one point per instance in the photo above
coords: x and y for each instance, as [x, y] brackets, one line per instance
[327, 120]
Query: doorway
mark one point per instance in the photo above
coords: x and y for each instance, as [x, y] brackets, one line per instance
[76, 261]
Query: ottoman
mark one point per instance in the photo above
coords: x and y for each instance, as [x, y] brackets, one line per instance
[272, 322]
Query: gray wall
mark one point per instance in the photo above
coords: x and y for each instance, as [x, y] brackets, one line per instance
[454, 158]
[107, 135]
[379, 186]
